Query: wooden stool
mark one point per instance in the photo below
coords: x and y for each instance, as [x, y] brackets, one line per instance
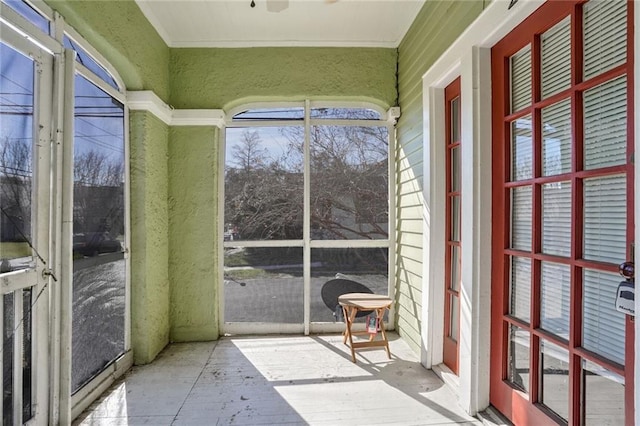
[351, 304]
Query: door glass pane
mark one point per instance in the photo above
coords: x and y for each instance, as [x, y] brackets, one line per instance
[556, 138]
[455, 317]
[349, 182]
[263, 284]
[603, 395]
[98, 232]
[455, 218]
[264, 183]
[603, 328]
[605, 124]
[554, 384]
[7, 359]
[520, 288]
[520, 65]
[556, 55]
[605, 36]
[522, 149]
[521, 216]
[455, 120]
[518, 368]
[27, 354]
[556, 218]
[85, 59]
[16, 156]
[605, 219]
[555, 288]
[357, 267]
[455, 268]
[29, 13]
[455, 169]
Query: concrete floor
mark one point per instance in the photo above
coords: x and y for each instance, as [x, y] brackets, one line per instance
[276, 380]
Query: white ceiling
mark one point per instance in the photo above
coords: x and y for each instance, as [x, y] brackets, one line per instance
[234, 23]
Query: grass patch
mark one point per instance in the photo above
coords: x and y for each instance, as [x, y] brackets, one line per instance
[14, 250]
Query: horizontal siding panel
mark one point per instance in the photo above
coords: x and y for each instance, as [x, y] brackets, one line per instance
[437, 25]
[413, 239]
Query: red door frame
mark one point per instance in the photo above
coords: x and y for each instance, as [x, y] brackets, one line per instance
[510, 401]
[451, 347]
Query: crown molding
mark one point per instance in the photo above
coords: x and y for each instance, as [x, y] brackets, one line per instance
[147, 100]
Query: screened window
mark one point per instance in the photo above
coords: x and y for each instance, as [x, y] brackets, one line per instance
[299, 189]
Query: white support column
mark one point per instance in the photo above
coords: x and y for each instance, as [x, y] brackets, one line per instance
[475, 293]
[434, 222]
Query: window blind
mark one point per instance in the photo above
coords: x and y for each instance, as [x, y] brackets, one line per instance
[521, 79]
[556, 58]
[605, 36]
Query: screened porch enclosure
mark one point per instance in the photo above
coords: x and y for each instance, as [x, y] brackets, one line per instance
[306, 201]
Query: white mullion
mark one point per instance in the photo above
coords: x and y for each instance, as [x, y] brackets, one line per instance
[27, 30]
[65, 282]
[391, 238]
[222, 149]
[349, 243]
[307, 219]
[127, 232]
[43, 90]
[93, 78]
[264, 243]
[55, 230]
[18, 328]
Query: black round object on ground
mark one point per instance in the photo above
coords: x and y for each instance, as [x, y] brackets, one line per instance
[333, 289]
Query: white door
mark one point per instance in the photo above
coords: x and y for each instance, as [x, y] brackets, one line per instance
[24, 228]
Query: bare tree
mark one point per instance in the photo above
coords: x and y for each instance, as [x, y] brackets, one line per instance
[15, 188]
[349, 185]
[98, 193]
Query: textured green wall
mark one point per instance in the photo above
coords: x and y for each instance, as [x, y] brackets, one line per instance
[435, 28]
[149, 138]
[193, 238]
[224, 78]
[121, 33]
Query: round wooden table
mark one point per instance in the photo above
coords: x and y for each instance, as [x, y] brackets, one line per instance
[352, 303]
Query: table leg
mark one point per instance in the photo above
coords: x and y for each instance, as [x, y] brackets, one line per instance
[380, 315]
[350, 316]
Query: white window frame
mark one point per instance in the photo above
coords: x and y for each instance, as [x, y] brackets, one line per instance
[62, 406]
[388, 119]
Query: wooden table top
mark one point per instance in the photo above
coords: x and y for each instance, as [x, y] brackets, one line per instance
[365, 301]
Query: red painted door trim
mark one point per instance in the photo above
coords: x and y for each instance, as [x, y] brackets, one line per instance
[516, 405]
[451, 347]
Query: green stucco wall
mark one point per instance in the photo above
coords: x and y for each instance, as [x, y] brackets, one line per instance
[224, 78]
[150, 291]
[174, 185]
[193, 238]
[121, 33]
[435, 28]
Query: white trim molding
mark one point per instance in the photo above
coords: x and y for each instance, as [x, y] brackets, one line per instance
[468, 58]
[147, 100]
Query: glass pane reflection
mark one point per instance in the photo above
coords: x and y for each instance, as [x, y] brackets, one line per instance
[16, 158]
[98, 232]
[603, 396]
[518, 358]
[555, 378]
